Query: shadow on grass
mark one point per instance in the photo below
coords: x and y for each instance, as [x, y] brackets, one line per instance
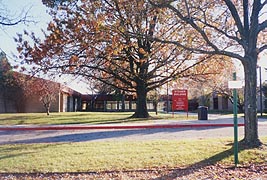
[206, 162]
[103, 121]
[114, 121]
[17, 151]
[14, 155]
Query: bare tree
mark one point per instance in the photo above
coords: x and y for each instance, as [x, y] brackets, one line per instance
[236, 29]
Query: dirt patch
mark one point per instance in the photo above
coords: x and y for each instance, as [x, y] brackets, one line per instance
[208, 172]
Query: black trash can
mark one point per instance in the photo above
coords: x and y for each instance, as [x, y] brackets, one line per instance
[202, 113]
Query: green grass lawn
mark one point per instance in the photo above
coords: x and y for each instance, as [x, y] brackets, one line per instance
[115, 155]
[81, 118]
[123, 155]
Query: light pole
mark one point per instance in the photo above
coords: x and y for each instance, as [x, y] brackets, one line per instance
[235, 85]
[167, 97]
[260, 90]
[167, 107]
[235, 124]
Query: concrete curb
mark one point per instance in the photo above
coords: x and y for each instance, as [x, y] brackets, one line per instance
[92, 127]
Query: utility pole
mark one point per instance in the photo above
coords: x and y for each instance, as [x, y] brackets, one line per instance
[260, 90]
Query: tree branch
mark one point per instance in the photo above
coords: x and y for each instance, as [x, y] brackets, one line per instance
[262, 26]
[236, 17]
[263, 3]
[201, 51]
[246, 16]
[187, 8]
[262, 48]
[191, 22]
[222, 32]
[22, 18]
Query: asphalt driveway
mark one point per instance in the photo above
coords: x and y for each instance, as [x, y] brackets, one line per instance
[196, 130]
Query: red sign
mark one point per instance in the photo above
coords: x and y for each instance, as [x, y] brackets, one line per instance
[179, 99]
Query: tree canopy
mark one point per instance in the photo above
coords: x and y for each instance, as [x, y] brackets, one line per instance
[110, 41]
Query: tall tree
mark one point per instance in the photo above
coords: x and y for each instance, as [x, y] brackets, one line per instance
[232, 28]
[109, 41]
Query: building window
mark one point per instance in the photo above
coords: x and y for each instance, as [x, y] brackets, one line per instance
[111, 105]
[215, 103]
[84, 106]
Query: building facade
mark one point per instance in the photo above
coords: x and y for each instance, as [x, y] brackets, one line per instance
[65, 99]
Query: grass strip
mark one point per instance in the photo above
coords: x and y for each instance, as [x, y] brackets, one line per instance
[123, 155]
[83, 118]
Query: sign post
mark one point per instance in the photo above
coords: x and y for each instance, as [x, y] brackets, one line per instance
[234, 85]
[180, 100]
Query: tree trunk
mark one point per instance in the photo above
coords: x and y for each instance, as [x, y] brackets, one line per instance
[251, 138]
[141, 104]
[240, 108]
[47, 112]
[123, 102]
[47, 108]
[155, 104]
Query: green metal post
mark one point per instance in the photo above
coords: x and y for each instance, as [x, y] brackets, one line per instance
[235, 124]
